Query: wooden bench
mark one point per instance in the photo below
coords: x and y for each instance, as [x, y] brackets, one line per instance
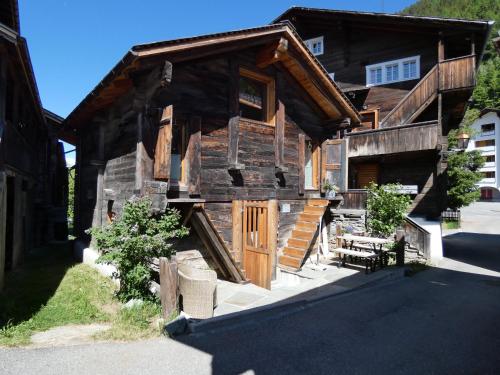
[370, 258]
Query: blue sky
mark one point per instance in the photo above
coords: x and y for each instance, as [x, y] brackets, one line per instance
[74, 43]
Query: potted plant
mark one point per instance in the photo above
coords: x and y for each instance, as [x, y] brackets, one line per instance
[330, 189]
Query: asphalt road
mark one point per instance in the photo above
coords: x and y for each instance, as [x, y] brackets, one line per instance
[444, 320]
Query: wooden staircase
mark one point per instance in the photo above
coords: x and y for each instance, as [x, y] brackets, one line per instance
[303, 235]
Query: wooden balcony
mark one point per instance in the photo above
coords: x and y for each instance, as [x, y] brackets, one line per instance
[394, 140]
[448, 75]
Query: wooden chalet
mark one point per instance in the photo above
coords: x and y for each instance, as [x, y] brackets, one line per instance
[33, 180]
[410, 78]
[234, 129]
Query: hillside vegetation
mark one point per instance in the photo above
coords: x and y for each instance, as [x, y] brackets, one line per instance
[487, 92]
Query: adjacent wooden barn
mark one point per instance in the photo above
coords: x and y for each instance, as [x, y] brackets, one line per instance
[235, 129]
[410, 78]
[33, 177]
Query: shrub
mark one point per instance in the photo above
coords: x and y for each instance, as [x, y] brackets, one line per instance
[386, 208]
[132, 243]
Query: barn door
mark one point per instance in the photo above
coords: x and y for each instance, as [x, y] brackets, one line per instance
[334, 163]
[258, 241]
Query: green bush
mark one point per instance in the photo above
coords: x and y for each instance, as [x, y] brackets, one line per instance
[386, 209]
[132, 242]
[463, 175]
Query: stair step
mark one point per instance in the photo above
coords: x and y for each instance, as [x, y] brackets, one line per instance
[290, 261]
[314, 210]
[318, 202]
[302, 234]
[297, 243]
[291, 251]
[304, 225]
[310, 218]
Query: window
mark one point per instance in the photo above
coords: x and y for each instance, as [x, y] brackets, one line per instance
[315, 45]
[257, 96]
[375, 76]
[488, 129]
[311, 169]
[490, 158]
[485, 143]
[393, 71]
[410, 69]
[489, 174]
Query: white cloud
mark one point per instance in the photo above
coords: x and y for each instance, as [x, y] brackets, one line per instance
[70, 161]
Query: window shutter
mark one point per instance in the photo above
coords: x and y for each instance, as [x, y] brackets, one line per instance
[194, 156]
[334, 163]
[302, 162]
[163, 145]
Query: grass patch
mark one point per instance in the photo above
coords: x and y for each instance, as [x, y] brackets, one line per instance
[50, 291]
[416, 267]
[451, 224]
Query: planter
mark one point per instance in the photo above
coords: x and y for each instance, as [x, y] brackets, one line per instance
[330, 194]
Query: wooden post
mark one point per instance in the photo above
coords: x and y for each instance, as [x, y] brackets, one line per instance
[400, 247]
[163, 145]
[338, 233]
[272, 225]
[233, 133]
[194, 156]
[279, 138]
[440, 48]
[168, 286]
[237, 211]
[302, 162]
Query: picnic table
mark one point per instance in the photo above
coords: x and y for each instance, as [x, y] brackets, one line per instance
[370, 249]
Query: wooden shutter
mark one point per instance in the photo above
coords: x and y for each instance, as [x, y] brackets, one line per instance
[334, 163]
[194, 156]
[302, 162]
[163, 145]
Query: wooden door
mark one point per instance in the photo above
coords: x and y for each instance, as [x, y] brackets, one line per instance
[334, 163]
[366, 173]
[258, 242]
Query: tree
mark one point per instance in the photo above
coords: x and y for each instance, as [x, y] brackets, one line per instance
[71, 193]
[134, 241]
[463, 175]
[386, 208]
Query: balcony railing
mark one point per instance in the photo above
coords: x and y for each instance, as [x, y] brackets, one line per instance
[452, 74]
[457, 73]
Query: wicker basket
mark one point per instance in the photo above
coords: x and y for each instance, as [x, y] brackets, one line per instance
[198, 290]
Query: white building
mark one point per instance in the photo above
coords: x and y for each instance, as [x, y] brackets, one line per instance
[486, 140]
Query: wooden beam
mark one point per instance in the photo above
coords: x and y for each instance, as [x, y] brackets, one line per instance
[194, 156]
[272, 53]
[163, 145]
[166, 74]
[215, 245]
[233, 132]
[279, 139]
[440, 48]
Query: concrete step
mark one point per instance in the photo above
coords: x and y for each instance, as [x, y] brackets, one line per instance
[290, 261]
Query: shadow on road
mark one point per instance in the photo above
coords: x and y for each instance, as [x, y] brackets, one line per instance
[438, 321]
[477, 249]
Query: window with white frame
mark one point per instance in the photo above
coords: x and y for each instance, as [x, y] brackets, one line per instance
[315, 45]
[393, 71]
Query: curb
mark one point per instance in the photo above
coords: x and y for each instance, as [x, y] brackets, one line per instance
[278, 310]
